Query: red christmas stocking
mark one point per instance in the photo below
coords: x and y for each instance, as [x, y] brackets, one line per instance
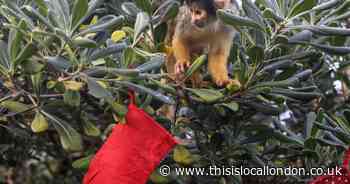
[344, 178]
[131, 152]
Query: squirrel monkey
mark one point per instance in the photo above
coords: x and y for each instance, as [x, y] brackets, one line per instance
[196, 30]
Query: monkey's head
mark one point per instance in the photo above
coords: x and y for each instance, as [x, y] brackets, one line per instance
[203, 12]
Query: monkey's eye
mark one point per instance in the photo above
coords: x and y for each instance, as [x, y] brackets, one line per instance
[197, 12]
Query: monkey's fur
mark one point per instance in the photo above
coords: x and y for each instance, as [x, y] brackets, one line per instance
[196, 30]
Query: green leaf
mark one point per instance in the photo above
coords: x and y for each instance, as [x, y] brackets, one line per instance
[72, 98]
[60, 12]
[270, 14]
[207, 95]
[144, 5]
[69, 137]
[4, 56]
[32, 66]
[282, 64]
[105, 52]
[82, 163]
[167, 10]
[84, 42]
[96, 90]
[283, 83]
[256, 54]
[156, 178]
[59, 63]
[332, 49]
[130, 9]
[296, 56]
[118, 36]
[324, 30]
[200, 61]
[42, 7]
[310, 153]
[114, 71]
[164, 86]
[14, 106]
[336, 131]
[12, 9]
[155, 63]
[142, 53]
[141, 24]
[303, 36]
[282, 5]
[146, 103]
[310, 119]
[105, 23]
[326, 5]
[119, 109]
[266, 108]
[15, 40]
[128, 57]
[253, 12]
[237, 179]
[73, 85]
[297, 94]
[26, 53]
[183, 156]
[325, 142]
[36, 82]
[343, 8]
[141, 89]
[233, 106]
[262, 136]
[271, 4]
[80, 9]
[33, 12]
[89, 128]
[346, 114]
[302, 6]
[310, 143]
[14, 43]
[287, 139]
[92, 6]
[344, 16]
[39, 123]
[61, 34]
[295, 79]
[234, 20]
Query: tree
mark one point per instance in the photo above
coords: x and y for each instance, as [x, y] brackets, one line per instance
[66, 67]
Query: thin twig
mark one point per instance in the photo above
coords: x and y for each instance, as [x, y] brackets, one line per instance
[11, 96]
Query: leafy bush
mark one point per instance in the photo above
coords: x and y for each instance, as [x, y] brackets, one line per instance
[66, 67]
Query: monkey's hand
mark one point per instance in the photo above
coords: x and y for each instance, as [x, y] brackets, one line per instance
[181, 66]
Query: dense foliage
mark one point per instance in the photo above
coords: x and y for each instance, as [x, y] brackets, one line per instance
[66, 67]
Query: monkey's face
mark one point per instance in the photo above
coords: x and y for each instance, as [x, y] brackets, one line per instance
[199, 17]
[202, 12]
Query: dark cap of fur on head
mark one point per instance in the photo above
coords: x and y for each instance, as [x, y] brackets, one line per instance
[207, 5]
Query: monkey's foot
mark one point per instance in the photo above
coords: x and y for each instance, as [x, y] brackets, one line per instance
[225, 81]
[222, 80]
[181, 66]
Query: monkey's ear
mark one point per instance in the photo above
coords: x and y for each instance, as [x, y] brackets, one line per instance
[222, 3]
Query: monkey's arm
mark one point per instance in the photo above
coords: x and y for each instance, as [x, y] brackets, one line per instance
[217, 62]
[182, 54]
